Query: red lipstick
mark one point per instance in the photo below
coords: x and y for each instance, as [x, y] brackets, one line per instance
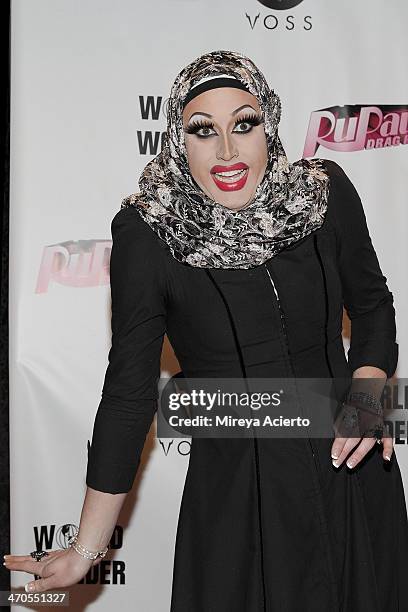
[231, 182]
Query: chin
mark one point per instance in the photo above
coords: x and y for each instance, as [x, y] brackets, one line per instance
[233, 200]
[235, 203]
[234, 206]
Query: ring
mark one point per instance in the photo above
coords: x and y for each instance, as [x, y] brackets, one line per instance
[39, 554]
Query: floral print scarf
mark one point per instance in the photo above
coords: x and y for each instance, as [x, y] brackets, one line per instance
[289, 203]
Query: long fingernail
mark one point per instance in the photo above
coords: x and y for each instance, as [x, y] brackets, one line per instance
[29, 587]
[350, 463]
[388, 458]
[335, 463]
[334, 456]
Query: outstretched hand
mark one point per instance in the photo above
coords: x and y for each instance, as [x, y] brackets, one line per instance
[60, 568]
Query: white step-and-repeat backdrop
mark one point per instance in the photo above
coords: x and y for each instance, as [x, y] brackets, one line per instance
[90, 81]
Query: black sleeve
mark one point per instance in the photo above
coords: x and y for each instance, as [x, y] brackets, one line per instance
[367, 299]
[130, 390]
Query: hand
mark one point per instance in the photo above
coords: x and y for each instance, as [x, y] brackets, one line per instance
[60, 568]
[352, 426]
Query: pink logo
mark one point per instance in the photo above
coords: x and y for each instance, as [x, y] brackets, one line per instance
[354, 128]
[84, 263]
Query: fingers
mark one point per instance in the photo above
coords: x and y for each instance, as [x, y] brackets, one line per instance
[362, 449]
[341, 448]
[388, 447]
[42, 584]
[27, 564]
[17, 558]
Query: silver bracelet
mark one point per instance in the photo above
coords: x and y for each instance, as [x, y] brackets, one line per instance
[84, 552]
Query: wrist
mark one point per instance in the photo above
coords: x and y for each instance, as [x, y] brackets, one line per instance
[92, 554]
[364, 401]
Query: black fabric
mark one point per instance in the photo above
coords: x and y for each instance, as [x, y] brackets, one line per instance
[211, 84]
[4, 295]
[264, 524]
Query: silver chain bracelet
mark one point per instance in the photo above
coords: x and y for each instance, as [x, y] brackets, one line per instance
[84, 552]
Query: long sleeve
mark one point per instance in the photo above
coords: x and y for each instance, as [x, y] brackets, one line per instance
[367, 299]
[138, 322]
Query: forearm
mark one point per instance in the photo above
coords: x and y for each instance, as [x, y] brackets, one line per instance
[99, 516]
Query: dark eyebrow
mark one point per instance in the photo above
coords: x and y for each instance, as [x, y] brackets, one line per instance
[233, 112]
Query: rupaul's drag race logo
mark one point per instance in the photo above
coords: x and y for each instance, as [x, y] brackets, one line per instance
[107, 571]
[357, 127]
[279, 20]
[84, 263]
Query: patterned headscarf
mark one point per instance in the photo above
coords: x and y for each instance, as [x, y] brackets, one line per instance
[289, 203]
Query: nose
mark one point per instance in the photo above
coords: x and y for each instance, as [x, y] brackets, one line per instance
[227, 149]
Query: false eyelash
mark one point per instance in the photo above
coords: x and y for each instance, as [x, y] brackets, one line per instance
[194, 127]
[252, 119]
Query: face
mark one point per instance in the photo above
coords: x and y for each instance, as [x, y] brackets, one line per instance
[226, 145]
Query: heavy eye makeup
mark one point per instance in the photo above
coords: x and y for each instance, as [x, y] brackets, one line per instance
[196, 126]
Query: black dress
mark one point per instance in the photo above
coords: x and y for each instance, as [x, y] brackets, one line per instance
[265, 525]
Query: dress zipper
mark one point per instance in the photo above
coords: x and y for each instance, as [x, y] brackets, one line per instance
[315, 455]
[282, 317]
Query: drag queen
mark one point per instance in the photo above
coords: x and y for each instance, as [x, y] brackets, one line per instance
[245, 261]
